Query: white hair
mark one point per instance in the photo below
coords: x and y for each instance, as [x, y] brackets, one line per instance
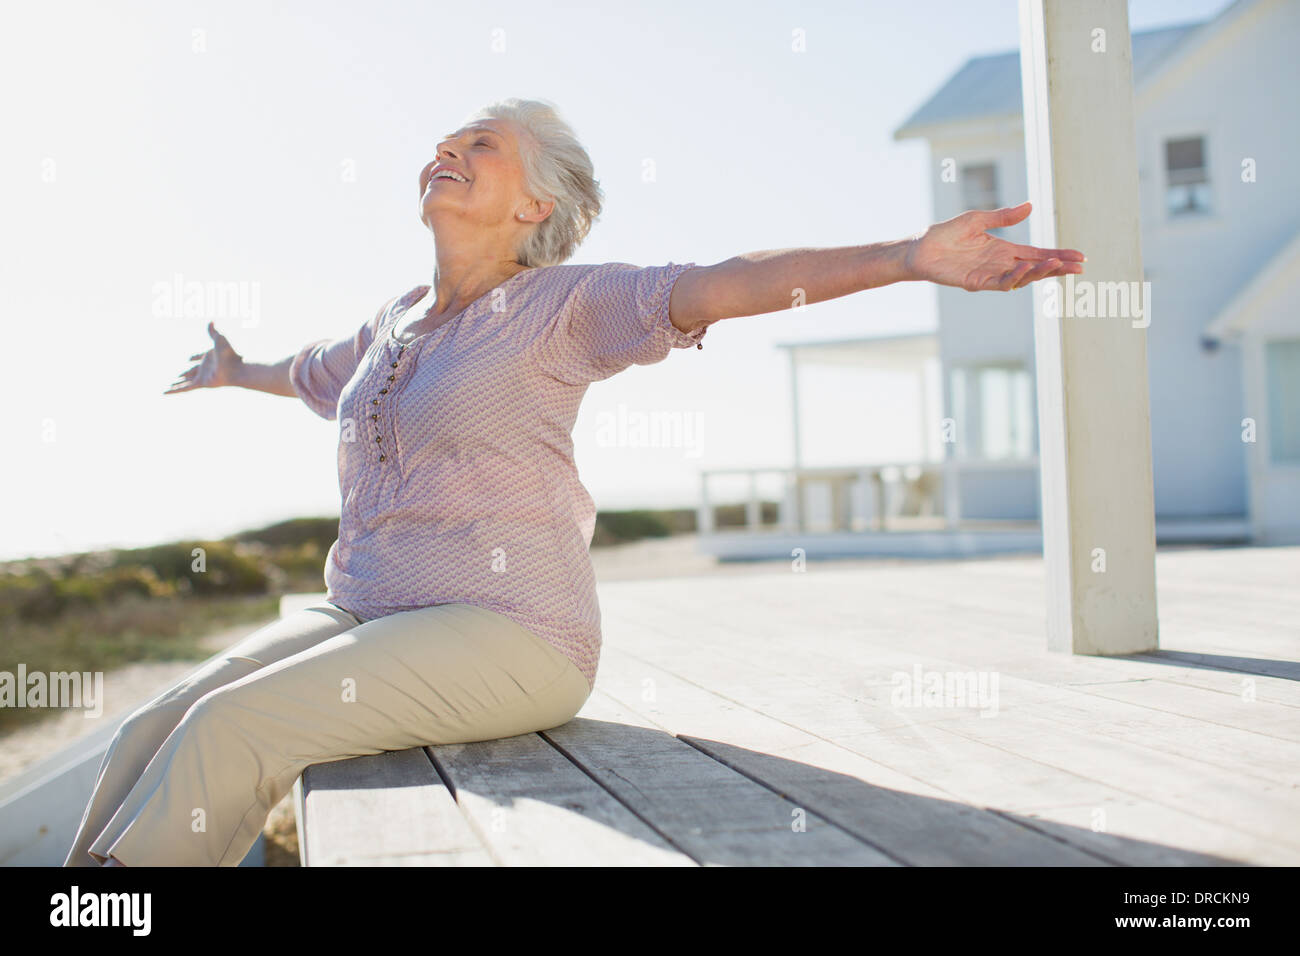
[556, 168]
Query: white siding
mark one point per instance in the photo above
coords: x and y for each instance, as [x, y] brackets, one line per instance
[1231, 91]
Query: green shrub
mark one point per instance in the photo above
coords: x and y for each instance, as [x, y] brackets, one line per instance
[306, 561]
[293, 534]
[218, 569]
[613, 527]
[110, 586]
[29, 596]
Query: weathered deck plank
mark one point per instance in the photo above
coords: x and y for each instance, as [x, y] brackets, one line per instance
[709, 811]
[532, 807]
[1241, 738]
[389, 809]
[1227, 673]
[816, 647]
[1139, 831]
[1099, 677]
[1250, 738]
[729, 706]
[907, 819]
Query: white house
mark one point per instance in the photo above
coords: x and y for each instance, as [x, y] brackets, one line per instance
[1217, 107]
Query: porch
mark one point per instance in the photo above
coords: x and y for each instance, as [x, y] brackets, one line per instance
[882, 716]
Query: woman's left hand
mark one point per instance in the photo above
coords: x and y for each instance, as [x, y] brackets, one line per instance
[958, 252]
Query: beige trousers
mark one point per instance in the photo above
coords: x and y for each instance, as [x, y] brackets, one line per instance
[191, 777]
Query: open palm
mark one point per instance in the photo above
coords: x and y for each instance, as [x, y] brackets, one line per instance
[959, 252]
[216, 367]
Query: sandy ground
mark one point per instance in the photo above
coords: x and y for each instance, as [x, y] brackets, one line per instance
[125, 689]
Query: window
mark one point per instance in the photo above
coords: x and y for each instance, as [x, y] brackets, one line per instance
[979, 186]
[993, 407]
[1187, 189]
[1282, 385]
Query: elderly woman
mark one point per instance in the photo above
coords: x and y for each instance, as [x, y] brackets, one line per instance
[461, 603]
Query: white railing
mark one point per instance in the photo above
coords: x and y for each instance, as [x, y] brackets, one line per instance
[907, 495]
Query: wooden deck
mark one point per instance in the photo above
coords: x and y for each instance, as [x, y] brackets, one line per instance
[755, 718]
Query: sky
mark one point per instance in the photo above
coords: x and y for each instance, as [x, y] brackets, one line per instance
[274, 147]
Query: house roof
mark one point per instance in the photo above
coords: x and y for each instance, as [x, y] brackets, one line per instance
[989, 86]
[1250, 301]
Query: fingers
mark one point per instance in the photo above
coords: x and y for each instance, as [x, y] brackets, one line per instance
[1037, 271]
[185, 380]
[1026, 273]
[1007, 216]
[1034, 253]
[1071, 268]
[1010, 279]
[217, 336]
[1022, 274]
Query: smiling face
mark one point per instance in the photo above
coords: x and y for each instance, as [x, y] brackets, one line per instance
[477, 176]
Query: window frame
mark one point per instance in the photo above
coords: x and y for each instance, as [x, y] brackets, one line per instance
[957, 403]
[962, 171]
[1272, 460]
[1153, 180]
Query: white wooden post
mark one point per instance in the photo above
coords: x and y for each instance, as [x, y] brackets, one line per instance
[867, 495]
[1093, 399]
[948, 450]
[785, 513]
[928, 425]
[704, 516]
[951, 491]
[973, 428]
[753, 517]
[794, 407]
[841, 509]
[796, 494]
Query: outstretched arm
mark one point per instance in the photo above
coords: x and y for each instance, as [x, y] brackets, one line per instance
[958, 252]
[222, 365]
[316, 373]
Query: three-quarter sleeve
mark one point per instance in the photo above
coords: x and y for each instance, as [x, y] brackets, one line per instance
[321, 368]
[615, 316]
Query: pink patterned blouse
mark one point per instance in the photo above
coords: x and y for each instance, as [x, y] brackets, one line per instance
[456, 454]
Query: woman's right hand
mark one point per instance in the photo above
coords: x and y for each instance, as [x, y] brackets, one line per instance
[218, 366]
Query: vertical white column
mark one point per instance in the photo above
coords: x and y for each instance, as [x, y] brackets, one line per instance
[791, 520]
[704, 516]
[796, 517]
[928, 425]
[1093, 399]
[794, 407]
[951, 491]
